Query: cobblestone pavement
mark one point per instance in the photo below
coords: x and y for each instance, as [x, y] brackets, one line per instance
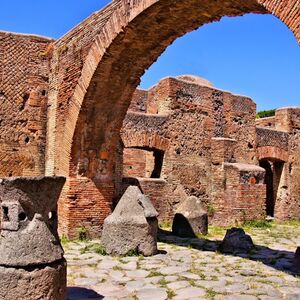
[189, 269]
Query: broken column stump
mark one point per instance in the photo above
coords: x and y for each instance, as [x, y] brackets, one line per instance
[190, 218]
[132, 227]
[235, 241]
[32, 265]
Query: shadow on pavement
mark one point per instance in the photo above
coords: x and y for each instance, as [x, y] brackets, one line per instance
[277, 259]
[78, 293]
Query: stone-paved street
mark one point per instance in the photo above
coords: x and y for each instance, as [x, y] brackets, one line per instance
[189, 269]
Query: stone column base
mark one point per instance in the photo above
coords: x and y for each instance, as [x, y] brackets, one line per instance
[31, 283]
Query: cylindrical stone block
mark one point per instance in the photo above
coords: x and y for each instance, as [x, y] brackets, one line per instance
[39, 282]
[31, 257]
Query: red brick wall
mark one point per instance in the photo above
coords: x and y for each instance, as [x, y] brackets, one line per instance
[84, 204]
[134, 162]
[24, 74]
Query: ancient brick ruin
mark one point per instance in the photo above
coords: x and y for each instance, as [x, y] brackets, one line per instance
[184, 137]
[62, 104]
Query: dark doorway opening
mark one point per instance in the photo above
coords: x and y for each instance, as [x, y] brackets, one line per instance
[272, 180]
[143, 162]
[158, 162]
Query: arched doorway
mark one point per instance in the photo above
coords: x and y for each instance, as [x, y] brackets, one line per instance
[273, 175]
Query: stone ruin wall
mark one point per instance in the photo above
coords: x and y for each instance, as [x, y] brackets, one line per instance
[280, 141]
[24, 75]
[186, 116]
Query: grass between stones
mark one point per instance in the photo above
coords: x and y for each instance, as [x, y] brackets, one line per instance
[210, 294]
[154, 274]
[170, 293]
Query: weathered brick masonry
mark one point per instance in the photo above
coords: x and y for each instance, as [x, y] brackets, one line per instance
[80, 86]
[24, 78]
[212, 148]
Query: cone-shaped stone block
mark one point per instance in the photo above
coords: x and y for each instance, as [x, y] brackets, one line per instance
[190, 218]
[236, 240]
[132, 226]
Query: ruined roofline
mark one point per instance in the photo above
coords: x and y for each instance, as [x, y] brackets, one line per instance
[195, 83]
[29, 35]
[270, 128]
[288, 107]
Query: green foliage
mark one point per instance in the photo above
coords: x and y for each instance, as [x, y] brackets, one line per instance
[99, 249]
[171, 294]
[258, 224]
[210, 210]
[154, 274]
[132, 252]
[64, 240]
[210, 294]
[82, 233]
[265, 113]
[163, 282]
[292, 222]
[95, 247]
[166, 225]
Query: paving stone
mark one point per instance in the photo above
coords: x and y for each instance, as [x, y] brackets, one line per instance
[137, 273]
[190, 275]
[107, 264]
[236, 288]
[81, 281]
[189, 293]
[178, 285]
[174, 270]
[116, 275]
[239, 297]
[135, 285]
[208, 284]
[171, 278]
[152, 293]
[153, 279]
[130, 266]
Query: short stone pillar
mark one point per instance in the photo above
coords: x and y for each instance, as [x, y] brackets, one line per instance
[32, 265]
[190, 218]
[235, 241]
[132, 227]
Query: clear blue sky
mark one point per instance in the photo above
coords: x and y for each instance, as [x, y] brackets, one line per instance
[253, 55]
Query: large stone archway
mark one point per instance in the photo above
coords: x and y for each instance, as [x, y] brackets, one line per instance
[95, 70]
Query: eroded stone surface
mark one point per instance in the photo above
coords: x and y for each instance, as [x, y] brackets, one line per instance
[29, 221]
[47, 282]
[132, 226]
[190, 218]
[31, 260]
[236, 240]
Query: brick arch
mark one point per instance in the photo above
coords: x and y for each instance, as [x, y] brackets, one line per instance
[145, 140]
[95, 70]
[272, 153]
[134, 34]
